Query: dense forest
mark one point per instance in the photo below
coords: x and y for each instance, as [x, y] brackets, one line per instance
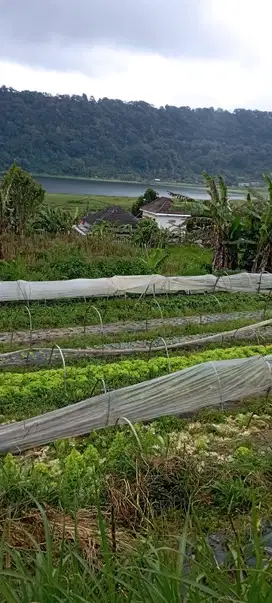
[76, 135]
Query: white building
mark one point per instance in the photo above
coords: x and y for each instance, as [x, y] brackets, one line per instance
[162, 211]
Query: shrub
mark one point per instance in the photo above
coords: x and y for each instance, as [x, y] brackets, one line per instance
[149, 234]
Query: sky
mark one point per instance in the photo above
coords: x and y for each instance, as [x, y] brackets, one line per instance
[197, 53]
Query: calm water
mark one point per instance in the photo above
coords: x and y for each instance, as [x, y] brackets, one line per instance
[119, 189]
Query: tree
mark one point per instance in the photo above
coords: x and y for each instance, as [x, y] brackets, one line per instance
[114, 139]
[23, 196]
[149, 195]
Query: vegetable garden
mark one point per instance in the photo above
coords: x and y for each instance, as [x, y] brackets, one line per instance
[130, 414]
[140, 475]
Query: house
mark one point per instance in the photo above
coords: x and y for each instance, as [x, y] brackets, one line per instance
[115, 215]
[164, 213]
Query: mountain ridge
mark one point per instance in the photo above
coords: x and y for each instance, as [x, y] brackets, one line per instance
[110, 138]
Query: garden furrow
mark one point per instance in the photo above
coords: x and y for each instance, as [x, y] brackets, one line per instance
[38, 335]
[45, 356]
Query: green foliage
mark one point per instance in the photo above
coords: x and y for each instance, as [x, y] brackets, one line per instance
[29, 394]
[68, 313]
[224, 225]
[78, 481]
[86, 203]
[23, 197]
[95, 257]
[70, 479]
[243, 240]
[10, 473]
[77, 267]
[101, 229]
[149, 196]
[149, 234]
[155, 258]
[70, 262]
[233, 495]
[109, 138]
[258, 229]
[53, 220]
[153, 571]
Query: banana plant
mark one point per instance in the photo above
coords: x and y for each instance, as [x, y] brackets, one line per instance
[154, 258]
[218, 210]
[5, 217]
[260, 221]
[102, 229]
[54, 220]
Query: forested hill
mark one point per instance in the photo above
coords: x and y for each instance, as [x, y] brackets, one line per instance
[109, 138]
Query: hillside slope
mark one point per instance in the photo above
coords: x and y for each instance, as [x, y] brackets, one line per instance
[110, 138]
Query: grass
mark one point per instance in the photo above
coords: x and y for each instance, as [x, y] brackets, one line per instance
[150, 573]
[125, 508]
[86, 203]
[127, 517]
[128, 521]
[43, 257]
[97, 202]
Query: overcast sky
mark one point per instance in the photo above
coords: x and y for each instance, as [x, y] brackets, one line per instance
[180, 52]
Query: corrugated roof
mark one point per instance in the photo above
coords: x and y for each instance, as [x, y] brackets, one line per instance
[114, 214]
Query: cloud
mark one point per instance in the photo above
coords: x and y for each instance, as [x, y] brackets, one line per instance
[155, 79]
[180, 52]
[60, 34]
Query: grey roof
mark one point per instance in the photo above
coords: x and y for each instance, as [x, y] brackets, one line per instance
[162, 205]
[114, 214]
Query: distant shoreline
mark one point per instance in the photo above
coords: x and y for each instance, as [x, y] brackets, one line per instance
[117, 180]
[147, 183]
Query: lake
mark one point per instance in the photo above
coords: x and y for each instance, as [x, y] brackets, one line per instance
[120, 189]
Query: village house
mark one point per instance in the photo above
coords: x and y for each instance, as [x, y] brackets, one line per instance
[114, 215]
[164, 213]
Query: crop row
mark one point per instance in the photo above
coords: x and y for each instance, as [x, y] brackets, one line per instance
[72, 339]
[70, 473]
[78, 313]
[28, 394]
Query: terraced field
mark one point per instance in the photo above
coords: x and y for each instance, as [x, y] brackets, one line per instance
[144, 475]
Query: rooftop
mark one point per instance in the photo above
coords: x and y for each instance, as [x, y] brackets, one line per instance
[162, 205]
[114, 214]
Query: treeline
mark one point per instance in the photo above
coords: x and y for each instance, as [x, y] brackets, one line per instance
[76, 135]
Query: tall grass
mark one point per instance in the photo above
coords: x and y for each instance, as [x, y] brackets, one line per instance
[46, 257]
[31, 248]
[153, 572]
